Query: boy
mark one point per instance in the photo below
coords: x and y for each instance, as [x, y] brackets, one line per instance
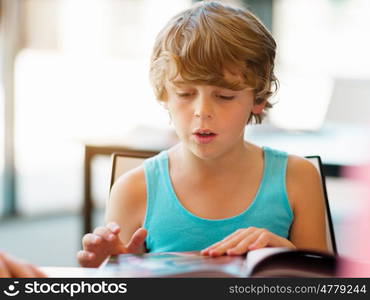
[212, 68]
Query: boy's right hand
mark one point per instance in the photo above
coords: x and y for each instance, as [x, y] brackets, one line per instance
[105, 241]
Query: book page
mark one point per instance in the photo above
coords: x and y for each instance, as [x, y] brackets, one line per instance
[175, 264]
[255, 256]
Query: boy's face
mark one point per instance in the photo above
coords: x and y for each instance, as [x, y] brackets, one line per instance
[210, 120]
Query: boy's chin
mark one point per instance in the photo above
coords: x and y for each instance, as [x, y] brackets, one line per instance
[206, 153]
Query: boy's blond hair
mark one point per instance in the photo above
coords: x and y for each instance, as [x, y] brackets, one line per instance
[200, 43]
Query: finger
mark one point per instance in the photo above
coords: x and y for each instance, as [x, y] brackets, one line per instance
[223, 247]
[103, 242]
[243, 246]
[226, 239]
[105, 233]
[262, 241]
[135, 245]
[113, 227]
[85, 258]
[231, 241]
[90, 240]
[96, 250]
[206, 250]
[238, 233]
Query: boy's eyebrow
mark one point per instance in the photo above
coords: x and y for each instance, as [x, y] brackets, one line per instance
[179, 82]
[227, 86]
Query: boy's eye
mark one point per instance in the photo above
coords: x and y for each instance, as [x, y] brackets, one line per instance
[183, 95]
[223, 97]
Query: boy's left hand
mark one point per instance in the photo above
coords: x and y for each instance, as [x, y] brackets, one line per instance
[245, 239]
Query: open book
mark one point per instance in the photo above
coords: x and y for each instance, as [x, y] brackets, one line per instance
[266, 262]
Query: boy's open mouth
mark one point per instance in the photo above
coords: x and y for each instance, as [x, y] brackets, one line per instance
[204, 136]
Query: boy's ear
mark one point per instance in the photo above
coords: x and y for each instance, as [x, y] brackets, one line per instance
[258, 108]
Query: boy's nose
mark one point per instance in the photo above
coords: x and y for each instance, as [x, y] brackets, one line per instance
[203, 109]
[201, 115]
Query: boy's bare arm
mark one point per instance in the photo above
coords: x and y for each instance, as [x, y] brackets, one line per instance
[306, 196]
[127, 203]
[124, 214]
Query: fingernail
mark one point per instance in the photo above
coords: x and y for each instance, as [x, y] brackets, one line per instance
[113, 227]
[90, 256]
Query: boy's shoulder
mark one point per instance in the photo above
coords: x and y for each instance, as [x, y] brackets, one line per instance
[301, 177]
[295, 164]
[130, 185]
[300, 166]
[301, 174]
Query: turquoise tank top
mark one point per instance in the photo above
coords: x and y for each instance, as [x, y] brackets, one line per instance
[171, 227]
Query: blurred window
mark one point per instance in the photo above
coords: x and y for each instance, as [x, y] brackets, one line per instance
[82, 74]
[321, 43]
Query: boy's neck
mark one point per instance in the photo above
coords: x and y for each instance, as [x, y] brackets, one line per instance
[229, 163]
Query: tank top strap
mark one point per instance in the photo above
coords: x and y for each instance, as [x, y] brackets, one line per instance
[275, 162]
[157, 185]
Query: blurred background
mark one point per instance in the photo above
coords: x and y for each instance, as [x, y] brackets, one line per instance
[75, 73]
